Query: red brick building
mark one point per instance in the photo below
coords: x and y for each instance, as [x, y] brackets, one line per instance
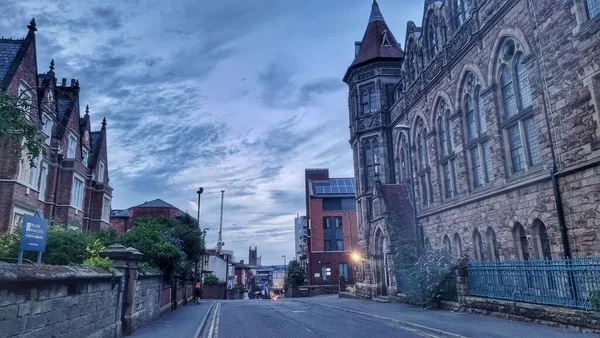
[331, 214]
[122, 220]
[69, 182]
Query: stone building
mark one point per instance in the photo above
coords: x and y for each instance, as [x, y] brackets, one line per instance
[69, 182]
[498, 100]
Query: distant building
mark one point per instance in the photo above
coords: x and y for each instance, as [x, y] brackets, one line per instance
[69, 182]
[221, 266]
[253, 258]
[300, 231]
[243, 276]
[332, 233]
[121, 220]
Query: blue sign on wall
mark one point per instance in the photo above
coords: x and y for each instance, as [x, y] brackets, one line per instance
[33, 233]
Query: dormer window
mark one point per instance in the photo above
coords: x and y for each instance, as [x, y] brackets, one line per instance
[386, 41]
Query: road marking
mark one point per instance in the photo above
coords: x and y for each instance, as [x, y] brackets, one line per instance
[203, 322]
[423, 327]
[307, 329]
[300, 311]
[213, 332]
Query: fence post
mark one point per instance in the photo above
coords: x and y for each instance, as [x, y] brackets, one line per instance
[342, 284]
[462, 280]
[126, 261]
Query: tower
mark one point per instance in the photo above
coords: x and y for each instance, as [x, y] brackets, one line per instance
[372, 79]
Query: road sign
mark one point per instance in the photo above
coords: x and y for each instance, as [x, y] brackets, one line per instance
[33, 234]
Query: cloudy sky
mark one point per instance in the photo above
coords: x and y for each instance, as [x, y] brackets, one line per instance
[240, 95]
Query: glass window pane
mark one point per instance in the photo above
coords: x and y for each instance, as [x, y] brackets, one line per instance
[424, 190]
[593, 8]
[487, 161]
[373, 100]
[476, 167]
[523, 80]
[442, 137]
[454, 177]
[516, 149]
[471, 126]
[508, 92]
[533, 145]
[447, 184]
[480, 112]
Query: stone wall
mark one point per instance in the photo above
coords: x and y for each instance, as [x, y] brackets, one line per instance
[147, 298]
[59, 301]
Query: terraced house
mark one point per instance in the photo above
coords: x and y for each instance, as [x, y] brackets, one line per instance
[496, 102]
[70, 182]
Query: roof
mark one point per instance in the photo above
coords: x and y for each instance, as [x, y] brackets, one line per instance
[63, 105]
[119, 213]
[8, 51]
[157, 203]
[396, 199]
[344, 187]
[378, 41]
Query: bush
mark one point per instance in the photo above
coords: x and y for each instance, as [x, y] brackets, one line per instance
[211, 279]
[433, 272]
[93, 257]
[594, 299]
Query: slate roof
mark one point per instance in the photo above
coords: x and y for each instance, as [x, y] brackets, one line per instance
[63, 105]
[8, 52]
[157, 203]
[371, 47]
[397, 201]
[119, 213]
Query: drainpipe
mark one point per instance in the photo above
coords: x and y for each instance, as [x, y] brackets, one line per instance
[59, 158]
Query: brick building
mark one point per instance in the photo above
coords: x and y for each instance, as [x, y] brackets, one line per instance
[332, 236]
[122, 220]
[69, 182]
[500, 103]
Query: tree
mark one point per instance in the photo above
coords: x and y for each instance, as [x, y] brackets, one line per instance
[295, 273]
[17, 133]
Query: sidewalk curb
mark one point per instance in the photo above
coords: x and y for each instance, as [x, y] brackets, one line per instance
[203, 322]
[409, 324]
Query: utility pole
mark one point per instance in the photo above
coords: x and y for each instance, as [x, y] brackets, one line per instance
[220, 243]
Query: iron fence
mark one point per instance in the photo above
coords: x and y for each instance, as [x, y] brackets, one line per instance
[562, 282]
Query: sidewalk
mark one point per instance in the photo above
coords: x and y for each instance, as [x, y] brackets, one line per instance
[181, 323]
[460, 323]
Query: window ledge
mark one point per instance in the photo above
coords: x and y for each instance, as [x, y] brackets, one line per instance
[523, 174]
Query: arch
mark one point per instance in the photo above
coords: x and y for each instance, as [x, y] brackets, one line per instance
[382, 279]
[462, 79]
[415, 123]
[492, 244]
[541, 242]
[439, 96]
[477, 245]
[514, 33]
[520, 242]
[447, 244]
[456, 244]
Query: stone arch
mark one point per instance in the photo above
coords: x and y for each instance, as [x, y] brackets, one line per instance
[520, 241]
[461, 82]
[447, 244]
[540, 239]
[440, 95]
[478, 252]
[491, 244]
[504, 33]
[380, 261]
[457, 245]
[414, 124]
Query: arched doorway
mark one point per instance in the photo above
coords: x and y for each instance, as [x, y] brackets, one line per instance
[381, 275]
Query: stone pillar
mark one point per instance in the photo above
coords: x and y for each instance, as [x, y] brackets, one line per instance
[126, 261]
[462, 281]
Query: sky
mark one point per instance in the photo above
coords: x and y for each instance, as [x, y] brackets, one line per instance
[240, 95]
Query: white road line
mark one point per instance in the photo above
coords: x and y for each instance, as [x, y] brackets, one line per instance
[307, 329]
[203, 322]
[214, 323]
[298, 311]
[423, 327]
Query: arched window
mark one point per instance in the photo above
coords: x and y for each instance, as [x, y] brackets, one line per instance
[492, 244]
[478, 147]
[371, 161]
[520, 242]
[447, 245]
[462, 10]
[404, 165]
[520, 129]
[447, 159]
[423, 164]
[541, 243]
[477, 245]
[457, 246]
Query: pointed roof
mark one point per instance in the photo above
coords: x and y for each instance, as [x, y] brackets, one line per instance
[8, 52]
[378, 41]
[157, 203]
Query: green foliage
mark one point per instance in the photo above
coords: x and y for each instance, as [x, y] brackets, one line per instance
[211, 279]
[594, 299]
[433, 272]
[65, 246]
[93, 259]
[9, 245]
[16, 127]
[295, 273]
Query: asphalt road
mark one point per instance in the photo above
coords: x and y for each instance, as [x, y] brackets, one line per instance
[289, 319]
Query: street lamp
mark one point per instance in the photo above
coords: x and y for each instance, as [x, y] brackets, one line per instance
[199, 192]
[410, 179]
[284, 272]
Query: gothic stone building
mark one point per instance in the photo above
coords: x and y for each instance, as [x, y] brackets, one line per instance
[499, 102]
[69, 182]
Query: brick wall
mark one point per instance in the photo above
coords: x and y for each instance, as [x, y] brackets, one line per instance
[152, 212]
[52, 301]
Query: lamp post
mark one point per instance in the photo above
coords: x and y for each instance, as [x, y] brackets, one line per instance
[412, 186]
[199, 192]
[284, 272]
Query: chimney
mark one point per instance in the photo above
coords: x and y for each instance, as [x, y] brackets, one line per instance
[72, 82]
[357, 45]
[242, 262]
[64, 82]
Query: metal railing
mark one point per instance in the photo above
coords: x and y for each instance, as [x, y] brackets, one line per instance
[561, 282]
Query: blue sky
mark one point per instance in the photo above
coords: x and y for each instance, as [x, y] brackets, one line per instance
[231, 94]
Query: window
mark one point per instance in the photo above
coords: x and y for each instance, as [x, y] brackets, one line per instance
[541, 243]
[492, 244]
[371, 160]
[28, 173]
[477, 245]
[423, 174]
[72, 146]
[403, 161]
[106, 209]
[333, 235]
[447, 244]
[101, 170]
[84, 156]
[446, 150]
[457, 246]
[325, 271]
[42, 182]
[18, 214]
[25, 98]
[47, 127]
[368, 100]
[462, 9]
[593, 8]
[343, 270]
[521, 245]
[77, 193]
[520, 131]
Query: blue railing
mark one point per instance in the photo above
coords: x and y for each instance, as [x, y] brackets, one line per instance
[562, 282]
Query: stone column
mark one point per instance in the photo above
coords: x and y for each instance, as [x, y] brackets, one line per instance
[462, 281]
[126, 261]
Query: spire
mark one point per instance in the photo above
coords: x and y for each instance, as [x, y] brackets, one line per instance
[375, 13]
[87, 110]
[52, 65]
[31, 25]
[104, 123]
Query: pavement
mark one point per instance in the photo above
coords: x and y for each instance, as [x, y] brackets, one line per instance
[330, 316]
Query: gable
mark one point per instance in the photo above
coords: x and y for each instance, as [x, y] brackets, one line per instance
[8, 53]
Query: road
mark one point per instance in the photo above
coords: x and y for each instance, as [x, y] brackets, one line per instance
[345, 318]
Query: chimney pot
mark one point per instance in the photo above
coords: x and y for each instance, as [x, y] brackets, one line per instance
[64, 82]
[72, 82]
